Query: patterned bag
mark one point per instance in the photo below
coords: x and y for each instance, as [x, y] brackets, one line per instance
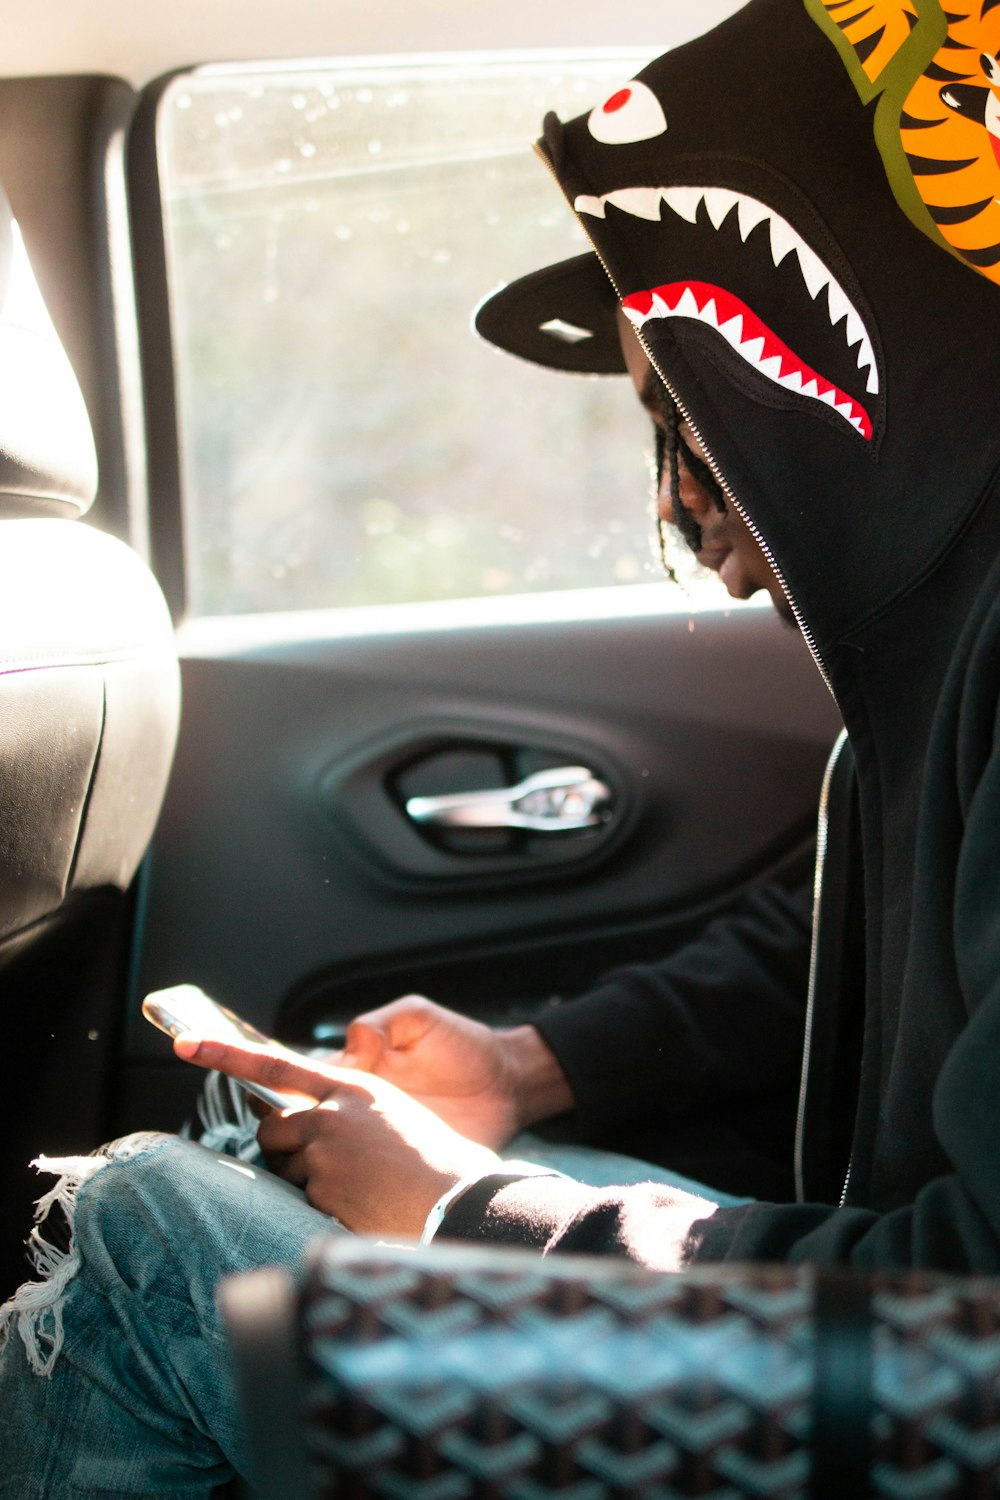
[449, 1372]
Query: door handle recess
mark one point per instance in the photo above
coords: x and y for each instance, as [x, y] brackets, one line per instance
[555, 801]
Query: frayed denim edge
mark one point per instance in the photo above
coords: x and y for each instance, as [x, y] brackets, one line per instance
[227, 1122]
[36, 1308]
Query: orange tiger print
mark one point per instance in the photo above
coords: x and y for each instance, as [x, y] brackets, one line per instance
[937, 73]
[950, 130]
[876, 29]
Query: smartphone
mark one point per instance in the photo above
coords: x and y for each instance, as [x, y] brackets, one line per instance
[185, 1007]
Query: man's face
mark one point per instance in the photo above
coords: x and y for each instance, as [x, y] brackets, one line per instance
[727, 545]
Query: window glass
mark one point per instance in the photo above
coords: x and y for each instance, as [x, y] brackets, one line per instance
[346, 440]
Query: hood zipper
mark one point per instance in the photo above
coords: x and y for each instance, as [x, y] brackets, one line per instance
[723, 484]
[822, 837]
[847, 1183]
[717, 473]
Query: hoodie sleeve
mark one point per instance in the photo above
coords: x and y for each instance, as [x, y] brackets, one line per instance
[952, 1222]
[719, 1020]
[664, 1229]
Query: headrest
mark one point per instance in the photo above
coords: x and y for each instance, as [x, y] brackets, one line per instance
[48, 466]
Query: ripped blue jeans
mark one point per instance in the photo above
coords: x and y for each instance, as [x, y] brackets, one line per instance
[115, 1377]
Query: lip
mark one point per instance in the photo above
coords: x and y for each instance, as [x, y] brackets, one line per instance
[732, 576]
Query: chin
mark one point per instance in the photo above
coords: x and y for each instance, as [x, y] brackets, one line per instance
[784, 611]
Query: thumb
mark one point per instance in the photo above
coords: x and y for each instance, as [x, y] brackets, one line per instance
[364, 1046]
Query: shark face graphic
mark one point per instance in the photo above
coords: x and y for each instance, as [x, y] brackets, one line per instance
[832, 362]
[749, 274]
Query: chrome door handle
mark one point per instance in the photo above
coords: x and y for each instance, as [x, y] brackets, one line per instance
[555, 801]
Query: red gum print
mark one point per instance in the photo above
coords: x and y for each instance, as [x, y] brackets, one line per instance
[728, 307]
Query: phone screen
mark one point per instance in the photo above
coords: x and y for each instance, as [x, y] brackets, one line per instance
[185, 1007]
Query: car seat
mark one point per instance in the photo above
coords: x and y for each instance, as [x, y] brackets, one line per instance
[89, 703]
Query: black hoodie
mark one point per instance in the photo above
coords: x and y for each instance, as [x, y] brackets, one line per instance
[799, 216]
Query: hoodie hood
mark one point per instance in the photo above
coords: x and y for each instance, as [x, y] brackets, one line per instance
[754, 201]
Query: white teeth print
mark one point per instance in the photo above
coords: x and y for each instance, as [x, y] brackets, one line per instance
[684, 201]
[866, 358]
[814, 273]
[720, 203]
[645, 203]
[751, 213]
[855, 328]
[839, 304]
[732, 331]
[783, 240]
[688, 305]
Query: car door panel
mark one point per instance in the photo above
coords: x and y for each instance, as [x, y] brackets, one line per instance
[299, 904]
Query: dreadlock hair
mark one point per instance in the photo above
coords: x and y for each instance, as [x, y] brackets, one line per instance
[669, 447]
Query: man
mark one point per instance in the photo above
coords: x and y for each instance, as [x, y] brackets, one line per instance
[831, 349]
[815, 291]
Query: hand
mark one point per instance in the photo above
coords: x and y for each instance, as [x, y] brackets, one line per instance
[365, 1153]
[486, 1084]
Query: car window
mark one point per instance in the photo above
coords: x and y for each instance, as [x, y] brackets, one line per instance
[346, 440]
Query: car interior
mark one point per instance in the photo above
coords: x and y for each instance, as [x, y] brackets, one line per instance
[337, 661]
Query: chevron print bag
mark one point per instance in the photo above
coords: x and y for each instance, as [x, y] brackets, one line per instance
[448, 1372]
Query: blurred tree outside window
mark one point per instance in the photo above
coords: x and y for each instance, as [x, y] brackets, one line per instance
[346, 439]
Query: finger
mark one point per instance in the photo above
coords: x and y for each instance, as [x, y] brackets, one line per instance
[397, 1025]
[271, 1066]
[258, 1106]
[282, 1133]
[364, 1045]
[292, 1168]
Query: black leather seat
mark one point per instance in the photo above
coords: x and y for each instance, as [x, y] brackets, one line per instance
[89, 702]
